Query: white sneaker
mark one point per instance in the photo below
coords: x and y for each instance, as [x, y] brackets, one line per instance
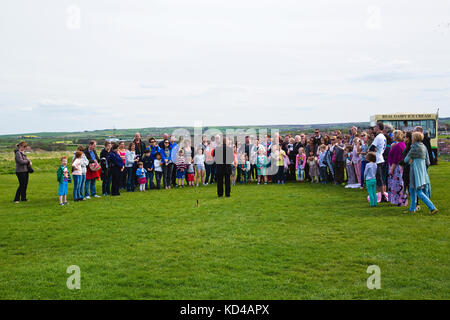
[96, 196]
[87, 197]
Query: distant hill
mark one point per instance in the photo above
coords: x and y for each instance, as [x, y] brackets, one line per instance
[126, 134]
[104, 133]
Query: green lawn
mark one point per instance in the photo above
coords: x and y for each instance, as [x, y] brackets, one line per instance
[265, 242]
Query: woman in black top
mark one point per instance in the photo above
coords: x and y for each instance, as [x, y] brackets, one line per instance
[23, 166]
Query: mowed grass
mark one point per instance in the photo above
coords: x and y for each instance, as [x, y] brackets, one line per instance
[297, 241]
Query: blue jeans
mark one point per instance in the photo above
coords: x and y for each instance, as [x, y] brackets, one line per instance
[414, 193]
[363, 167]
[82, 184]
[106, 185]
[130, 178]
[77, 191]
[323, 174]
[158, 175]
[150, 182]
[300, 173]
[90, 184]
[209, 173]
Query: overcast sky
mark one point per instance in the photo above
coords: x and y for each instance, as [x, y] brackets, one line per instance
[84, 65]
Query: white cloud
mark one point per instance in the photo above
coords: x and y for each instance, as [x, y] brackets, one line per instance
[173, 62]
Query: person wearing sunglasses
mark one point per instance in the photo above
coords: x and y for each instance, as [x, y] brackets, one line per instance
[154, 149]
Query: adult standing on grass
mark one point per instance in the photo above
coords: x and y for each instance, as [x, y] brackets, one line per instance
[379, 143]
[77, 174]
[123, 175]
[131, 161]
[167, 164]
[396, 189]
[105, 174]
[139, 146]
[224, 157]
[154, 149]
[339, 160]
[246, 149]
[209, 163]
[419, 181]
[427, 143]
[91, 175]
[353, 132]
[317, 139]
[173, 157]
[164, 137]
[362, 152]
[116, 168]
[22, 171]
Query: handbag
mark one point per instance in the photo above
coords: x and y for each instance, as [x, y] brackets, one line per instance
[94, 166]
[30, 168]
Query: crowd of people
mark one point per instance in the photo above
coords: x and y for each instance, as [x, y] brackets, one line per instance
[391, 164]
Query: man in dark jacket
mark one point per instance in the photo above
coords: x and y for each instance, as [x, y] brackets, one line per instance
[106, 174]
[90, 152]
[116, 167]
[317, 137]
[139, 146]
[427, 142]
[224, 157]
[245, 149]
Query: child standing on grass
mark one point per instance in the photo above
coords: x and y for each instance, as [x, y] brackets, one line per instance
[351, 176]
[77, 175]
[248, 167]
[141, 175]
[157, 167]
[63, 177]
[190, 173]
[300, 162]
[261, 165]
[362, 151]
[278, 155]
[370, 174]
[147, 160]
[199, 162]
[356, 159]
[181, 168]
[242, 172]
[323, 164]
[313, 167]
[234, 166]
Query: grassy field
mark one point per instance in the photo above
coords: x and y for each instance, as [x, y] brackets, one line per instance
[265, 242]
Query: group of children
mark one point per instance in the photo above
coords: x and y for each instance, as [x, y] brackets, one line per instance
[184, 169]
